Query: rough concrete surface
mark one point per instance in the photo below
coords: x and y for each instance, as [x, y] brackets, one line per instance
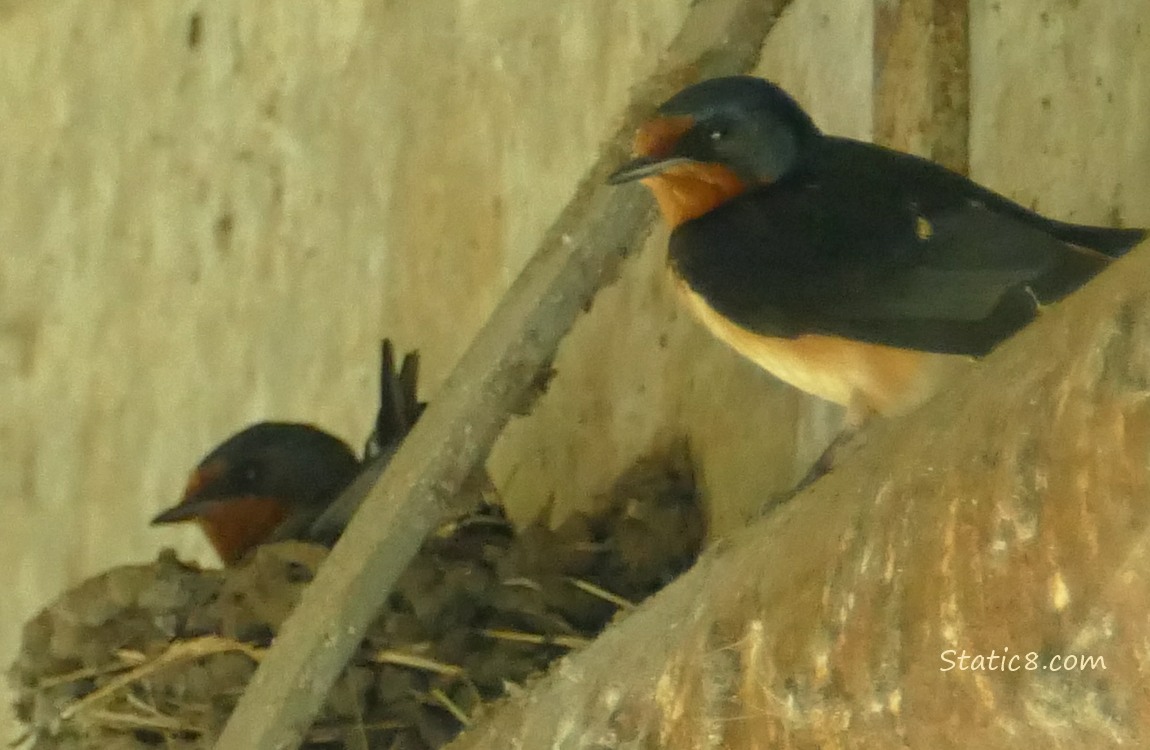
[211, 212]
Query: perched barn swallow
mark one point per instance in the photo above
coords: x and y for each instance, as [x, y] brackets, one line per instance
[276, 480]
[842, 267]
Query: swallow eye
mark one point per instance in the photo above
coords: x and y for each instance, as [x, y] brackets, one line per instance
[249, 474]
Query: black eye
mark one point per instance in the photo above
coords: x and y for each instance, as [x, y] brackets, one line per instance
[717, 134]
[249, 474]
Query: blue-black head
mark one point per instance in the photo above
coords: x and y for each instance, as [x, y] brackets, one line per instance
[295, 464]
[747, 124]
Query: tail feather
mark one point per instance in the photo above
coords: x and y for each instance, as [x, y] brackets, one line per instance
[1073, 268]
[1108, 240]
[399, 408]
[399, 404]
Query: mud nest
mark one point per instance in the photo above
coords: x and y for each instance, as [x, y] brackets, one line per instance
[158, 655]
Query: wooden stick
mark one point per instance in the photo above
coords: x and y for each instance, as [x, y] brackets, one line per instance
[582, 249]
[402, 659]
[602, 593]
[178, 651]
[536, 639]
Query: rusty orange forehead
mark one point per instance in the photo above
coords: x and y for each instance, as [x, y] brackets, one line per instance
[203, 476]
[658, 137]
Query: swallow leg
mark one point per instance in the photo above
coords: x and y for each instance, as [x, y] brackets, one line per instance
[860, 412]
[827, 460]
[858, 415]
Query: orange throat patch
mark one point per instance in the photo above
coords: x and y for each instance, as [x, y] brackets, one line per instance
[687, 191]
[238, 524]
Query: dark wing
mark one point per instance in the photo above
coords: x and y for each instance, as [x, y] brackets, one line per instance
[933, 188]
[327, 527]
[878, 246]
[399, 408]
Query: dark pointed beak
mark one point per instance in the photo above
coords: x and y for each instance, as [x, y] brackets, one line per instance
[185, 511]
[199, 496]
[644, 166]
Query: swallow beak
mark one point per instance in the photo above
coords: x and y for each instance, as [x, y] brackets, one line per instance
[645, 166]
[188, 510]
[198, 496]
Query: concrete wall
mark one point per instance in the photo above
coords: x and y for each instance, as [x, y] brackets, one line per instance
[210, 213]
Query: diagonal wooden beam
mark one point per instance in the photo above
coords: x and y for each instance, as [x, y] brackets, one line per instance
[582, 249]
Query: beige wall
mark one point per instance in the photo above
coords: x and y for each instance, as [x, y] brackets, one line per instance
[195, 238]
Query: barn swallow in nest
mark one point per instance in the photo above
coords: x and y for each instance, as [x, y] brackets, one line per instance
[281, 480]
[843, 268]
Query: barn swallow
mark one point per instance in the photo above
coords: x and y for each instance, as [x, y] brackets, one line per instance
[276, 480]
[844, 268]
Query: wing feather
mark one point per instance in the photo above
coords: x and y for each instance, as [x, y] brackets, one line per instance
[882, 247]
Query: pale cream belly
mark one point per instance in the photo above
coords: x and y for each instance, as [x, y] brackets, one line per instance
[861, 376]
